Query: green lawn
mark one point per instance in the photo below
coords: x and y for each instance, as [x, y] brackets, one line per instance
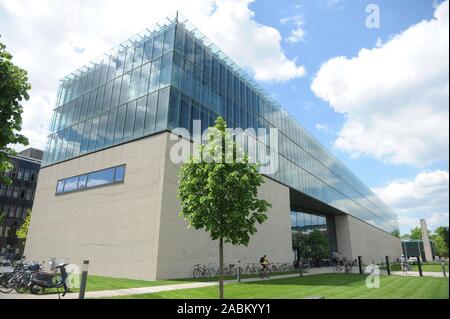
[98, 283]
[330, 286]
[432, 267]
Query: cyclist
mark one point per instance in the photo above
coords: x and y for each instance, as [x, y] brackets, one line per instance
[404, 263]
[264, 261]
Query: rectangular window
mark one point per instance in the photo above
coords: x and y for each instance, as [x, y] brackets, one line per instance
[71, 184]
[103, 177]
[26, 175]
[100, 178]
[119, 174]
[16, 192]
[20, 173]
[2, 190]
[29, 195]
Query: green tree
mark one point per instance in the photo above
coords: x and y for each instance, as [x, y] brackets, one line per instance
[416, 233]
[440, 238]
[443, 233]
[218, 192]
[396, 233]
[2, 217]
[14, 88]
[22, 231]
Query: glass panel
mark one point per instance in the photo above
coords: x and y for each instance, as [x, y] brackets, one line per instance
[110, 128]
[148, 50]
[120, 121]
[154, 75]
[150, 113]
[120, 173]
[169, 35]
[102, 130]
[163, 104]
[101, 177]
[129, 120]
[71, 184]
[158, 45]
[173, 108]
[140, 116]
[82, 181]
[60, 187]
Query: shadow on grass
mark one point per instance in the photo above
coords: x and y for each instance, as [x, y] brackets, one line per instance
[315, 280]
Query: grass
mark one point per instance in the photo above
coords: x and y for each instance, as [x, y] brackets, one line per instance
[99, 283]
[431, 267]
[330, 286]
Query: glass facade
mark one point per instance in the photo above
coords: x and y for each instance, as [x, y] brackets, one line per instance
[90, 180]
[170, 75]
[312, 235]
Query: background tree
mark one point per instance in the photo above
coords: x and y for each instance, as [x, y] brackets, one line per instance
[22, 231]
[416, 233]
[221, 197]
[2, 217]
[14, 88]
[440, 238]
[396, 233]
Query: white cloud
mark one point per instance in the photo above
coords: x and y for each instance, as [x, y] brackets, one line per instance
[395, 96]
[298, 33]
[324, 128]
[427, 196]
[51, 38]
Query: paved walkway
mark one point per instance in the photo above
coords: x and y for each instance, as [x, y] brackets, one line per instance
[416, 273]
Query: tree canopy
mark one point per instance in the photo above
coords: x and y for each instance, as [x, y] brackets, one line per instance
[14, 89]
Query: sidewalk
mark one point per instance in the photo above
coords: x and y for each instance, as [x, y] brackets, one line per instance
[416, 274]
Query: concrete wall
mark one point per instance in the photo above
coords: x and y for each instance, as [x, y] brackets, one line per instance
[132, 230]
[116, 227]
[181, 248]
[357, 238]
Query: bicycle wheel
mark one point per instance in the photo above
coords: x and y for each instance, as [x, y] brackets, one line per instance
[197, 273]
[6, 285]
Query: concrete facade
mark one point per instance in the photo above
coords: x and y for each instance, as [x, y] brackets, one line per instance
[357, 238]
[132, 230]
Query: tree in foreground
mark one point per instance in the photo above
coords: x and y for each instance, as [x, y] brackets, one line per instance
[218, 192]
[14, 88]
[22, 231]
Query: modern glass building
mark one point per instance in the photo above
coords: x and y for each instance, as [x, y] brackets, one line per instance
[170, 75]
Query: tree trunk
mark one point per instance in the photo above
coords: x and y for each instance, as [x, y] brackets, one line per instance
[221, 268]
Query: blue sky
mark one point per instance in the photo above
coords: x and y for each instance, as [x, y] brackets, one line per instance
[376, 97]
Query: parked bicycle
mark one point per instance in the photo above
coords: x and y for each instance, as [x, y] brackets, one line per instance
[201, 271]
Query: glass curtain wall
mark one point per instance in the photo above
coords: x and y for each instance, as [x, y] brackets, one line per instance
[310, 236]
[205, 86]
[174, 75]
